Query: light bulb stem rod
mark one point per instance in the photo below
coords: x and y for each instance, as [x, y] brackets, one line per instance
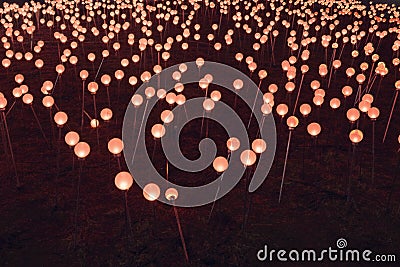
[77, 203]
[87, 115]
[206, 126]
[370, 74]
[390, 116]
[202, 123]
[154, 149]
[253, 106]
[95, 116]
[119, 163]
[369, 87]
[330, 77]
[127, 217]
[341, 51]
[373, 153]
[11, 107]
[247, 200]
[11, 149]
[216, 195]
[55, 84]
[298, 94]
[73, 160]
[40, 126]
[140, 130]
[3, 137]
[261, 127]
[108, 96]
[83, 105]
[166, 169]
[284, 165]
[181, 232]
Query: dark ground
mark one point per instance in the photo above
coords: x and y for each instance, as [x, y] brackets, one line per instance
[36, 225]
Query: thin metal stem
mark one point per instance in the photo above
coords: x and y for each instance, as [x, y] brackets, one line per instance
[127, 217]
[390, 116]
[10, 147]
[215, 198]
[77, 203]
[181, 233]
[40, 126]
[285, 164]
[83, 105]
[373, 153]
[95, 116]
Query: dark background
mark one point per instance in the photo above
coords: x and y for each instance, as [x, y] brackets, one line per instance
[313, 213]
[364, 1]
